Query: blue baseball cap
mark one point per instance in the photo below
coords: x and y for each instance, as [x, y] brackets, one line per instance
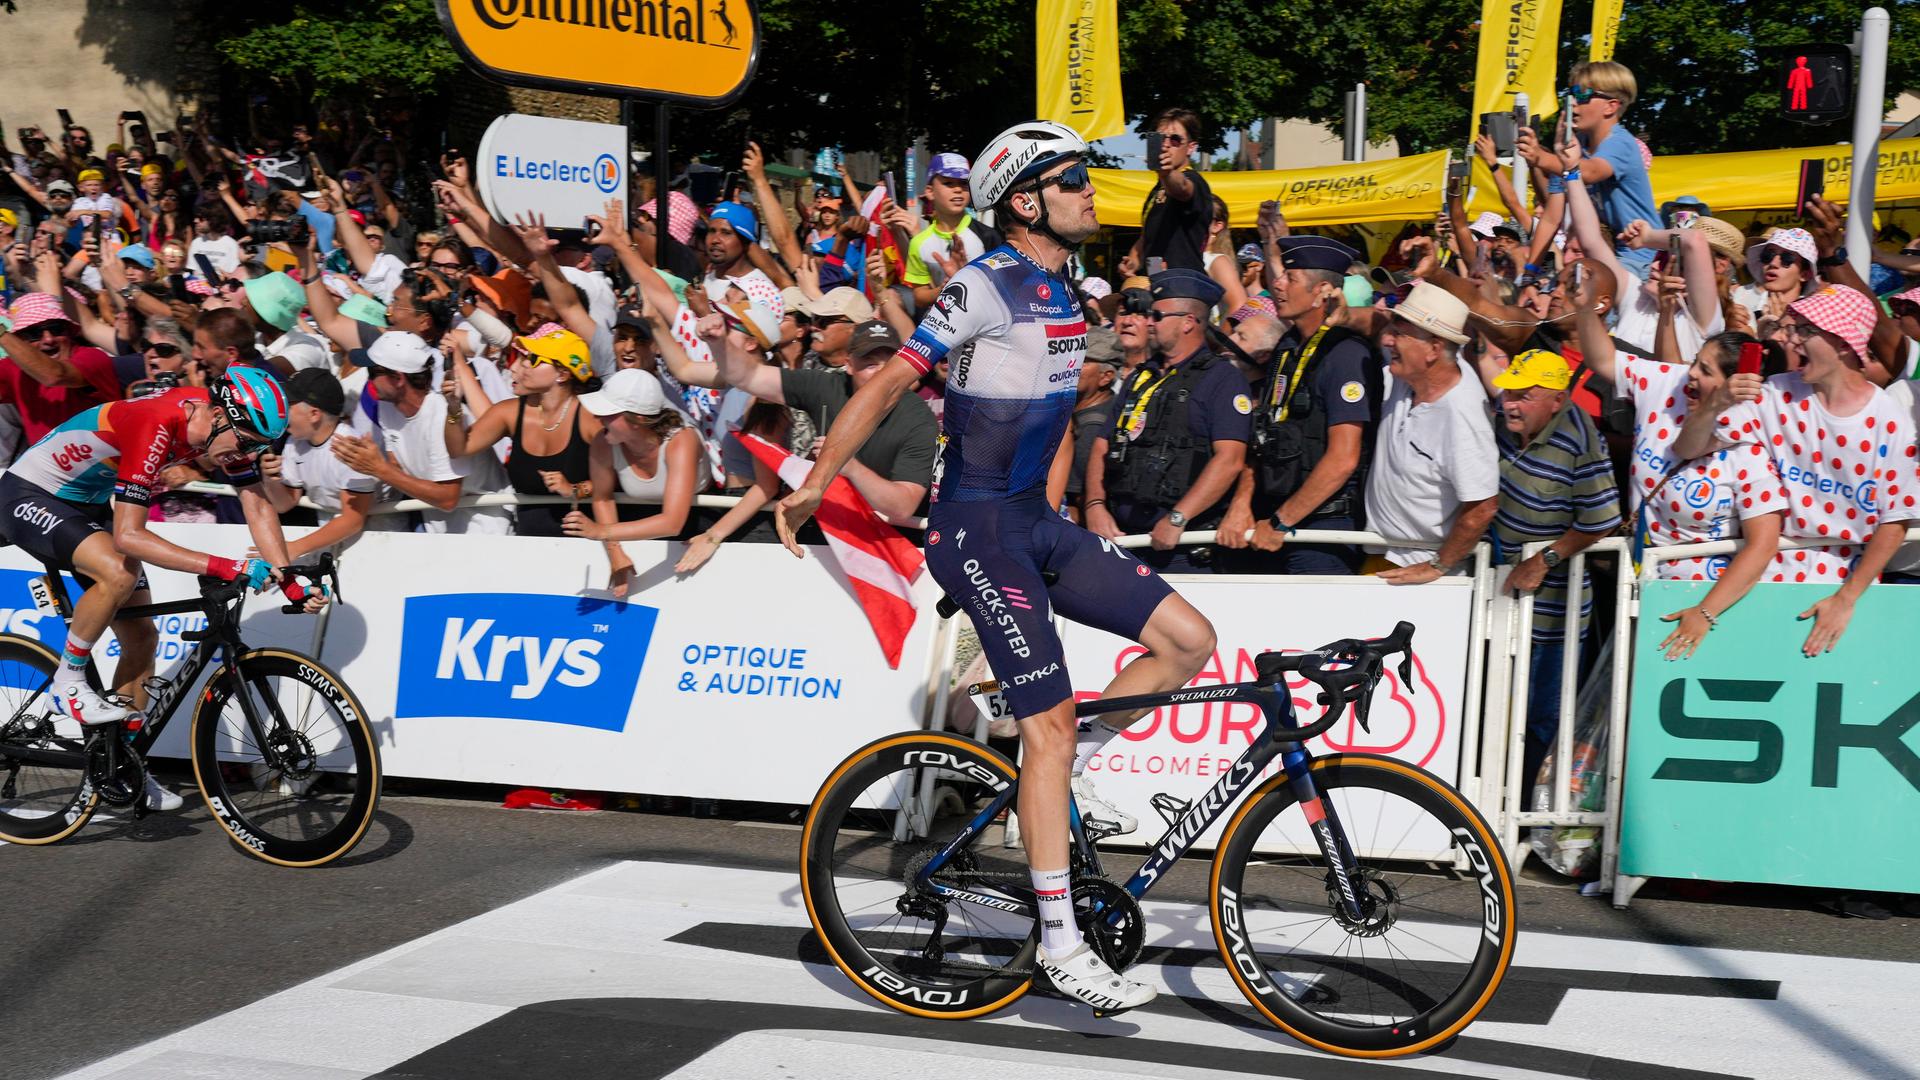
[739, 217]
[951, 166]
[139, 253]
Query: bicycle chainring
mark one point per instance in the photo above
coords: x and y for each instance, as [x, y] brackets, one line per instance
[1110, 919]
[128, 781]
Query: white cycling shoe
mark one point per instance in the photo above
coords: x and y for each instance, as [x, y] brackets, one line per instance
[84, 703]
[1086, 978]
[1097, 813]
[159, 798]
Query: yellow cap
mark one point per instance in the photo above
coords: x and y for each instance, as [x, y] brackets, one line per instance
[565, 349]
[8, 217]
[91, 174]
[151, 168]
[1535, 367]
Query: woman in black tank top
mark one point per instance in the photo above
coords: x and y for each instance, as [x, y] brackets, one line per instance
[551, 433]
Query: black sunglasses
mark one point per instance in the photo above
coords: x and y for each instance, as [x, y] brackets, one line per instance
[1072, 181]
[1156, 316]
[160, 348]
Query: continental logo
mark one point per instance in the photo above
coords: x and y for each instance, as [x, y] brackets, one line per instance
[700, 51]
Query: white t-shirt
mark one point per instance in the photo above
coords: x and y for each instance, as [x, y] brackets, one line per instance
[103, 206]
[601, 303]
[1708, 497]
[300, 349]
[1906, 394]
[383, 277]
[1638, 321]
[1427, 461]
[314, 471]
[1842, 473]
[222, 251]
[419, 444]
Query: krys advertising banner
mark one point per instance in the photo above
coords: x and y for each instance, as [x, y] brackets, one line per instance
[694, 52]
[1182, 750]
[1751, 762]
[1395, 189]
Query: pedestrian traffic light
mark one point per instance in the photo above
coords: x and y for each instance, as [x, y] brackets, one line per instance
[1815, 82]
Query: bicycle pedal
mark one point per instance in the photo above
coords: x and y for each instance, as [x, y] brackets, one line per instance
[1170, 808]
[1097, 831]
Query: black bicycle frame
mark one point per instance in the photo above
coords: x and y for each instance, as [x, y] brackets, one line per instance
[221, 632]
[1276, 704]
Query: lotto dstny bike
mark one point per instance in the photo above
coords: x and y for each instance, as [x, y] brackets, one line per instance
[1359, 902]
[280, 746]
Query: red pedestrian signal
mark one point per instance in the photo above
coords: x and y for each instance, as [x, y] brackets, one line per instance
[1815, 82]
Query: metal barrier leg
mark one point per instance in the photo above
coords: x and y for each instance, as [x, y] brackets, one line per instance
[1626, 621]
[1472, 710]
[1516, 785]
[1570, 639]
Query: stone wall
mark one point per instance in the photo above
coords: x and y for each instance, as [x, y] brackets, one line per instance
[98, 57]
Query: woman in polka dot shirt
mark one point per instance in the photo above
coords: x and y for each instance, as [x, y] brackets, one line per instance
[1843, 448]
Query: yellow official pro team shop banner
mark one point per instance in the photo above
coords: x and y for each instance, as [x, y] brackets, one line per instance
[1769, 179]
[1519, 54]
[1606, 29]
[1396, 189]
[1077, 67]
[692, 52]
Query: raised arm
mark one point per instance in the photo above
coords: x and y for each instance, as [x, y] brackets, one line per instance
[342, 330]
[532, 233]
[785, 241]
[851, 429]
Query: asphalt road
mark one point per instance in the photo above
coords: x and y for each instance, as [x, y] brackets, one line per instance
[134, 931]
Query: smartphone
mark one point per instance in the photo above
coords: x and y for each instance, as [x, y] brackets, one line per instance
[1813, 181]
[892, 186]
[1499, 127]
[1457, 179]
[1673, 253]
[177, 284]
[590, 227]
[66, 119]
[1751, 356]
[207, 273]
[1156, 145]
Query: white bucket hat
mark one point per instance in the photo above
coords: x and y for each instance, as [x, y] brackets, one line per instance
[1435, 310]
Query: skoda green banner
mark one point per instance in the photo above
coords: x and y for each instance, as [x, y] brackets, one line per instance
[1752, 762]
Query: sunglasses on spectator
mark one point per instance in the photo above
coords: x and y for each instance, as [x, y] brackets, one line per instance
[1800, 331]
[1156, 316]
[446, 267]
[160, 348]
[830, 320]
[56, 328]
[1903, 308]
[1769, 256]
[1176, 139]
[1584, 94]
[229, 284]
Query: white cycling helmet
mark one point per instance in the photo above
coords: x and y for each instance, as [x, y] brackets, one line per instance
[1019, 153]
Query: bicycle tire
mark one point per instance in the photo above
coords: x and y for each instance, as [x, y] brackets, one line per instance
[334, 781]
[1443, 974]
[40, 802]
[849, 856]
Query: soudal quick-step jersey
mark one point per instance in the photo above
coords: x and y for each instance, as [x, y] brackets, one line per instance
[1008, 399]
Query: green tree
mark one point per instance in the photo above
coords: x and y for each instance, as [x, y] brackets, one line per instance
[361, 49]
[1702, 85]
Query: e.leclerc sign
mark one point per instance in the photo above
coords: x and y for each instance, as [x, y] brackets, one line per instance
[694, 52]
[564, 169]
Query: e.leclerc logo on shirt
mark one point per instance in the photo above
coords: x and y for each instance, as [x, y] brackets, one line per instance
[519, 656]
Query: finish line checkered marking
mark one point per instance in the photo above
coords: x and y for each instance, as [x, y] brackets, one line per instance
[651, 970]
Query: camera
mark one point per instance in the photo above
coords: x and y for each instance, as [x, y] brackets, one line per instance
[293, 231]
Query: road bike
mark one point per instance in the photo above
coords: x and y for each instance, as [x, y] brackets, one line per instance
[1359, 902]
[280, 746]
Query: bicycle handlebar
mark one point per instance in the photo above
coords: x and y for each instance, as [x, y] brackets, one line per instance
[1361, 663]
[325, 571]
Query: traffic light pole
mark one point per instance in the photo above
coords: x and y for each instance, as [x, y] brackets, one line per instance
[1869, 98]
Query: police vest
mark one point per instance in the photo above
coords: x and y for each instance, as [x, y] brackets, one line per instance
[1154, 457]
[1290, 427]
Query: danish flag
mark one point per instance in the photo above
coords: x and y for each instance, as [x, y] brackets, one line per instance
[879, 562]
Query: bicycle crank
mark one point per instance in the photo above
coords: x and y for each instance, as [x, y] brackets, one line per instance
[119, 776]
[1111, 920]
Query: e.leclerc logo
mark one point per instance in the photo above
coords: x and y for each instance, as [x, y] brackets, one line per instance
[518, 656]
[603, 173]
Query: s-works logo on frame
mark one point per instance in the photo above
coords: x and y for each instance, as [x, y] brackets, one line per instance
[521, 656]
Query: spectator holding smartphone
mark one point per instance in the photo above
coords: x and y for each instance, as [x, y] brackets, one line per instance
[1612, 166]
[1179, 209]
[1844, 450]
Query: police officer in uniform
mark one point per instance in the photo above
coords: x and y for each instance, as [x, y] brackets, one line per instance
[1313, 424]
[1179, 438]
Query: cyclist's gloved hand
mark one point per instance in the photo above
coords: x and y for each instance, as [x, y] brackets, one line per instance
[297, 591]
[256, 571]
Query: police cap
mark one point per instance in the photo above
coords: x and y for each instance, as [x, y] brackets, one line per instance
[1181, 283]
[1316, 253]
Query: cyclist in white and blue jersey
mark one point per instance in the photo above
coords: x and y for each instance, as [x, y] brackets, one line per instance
[991, 534]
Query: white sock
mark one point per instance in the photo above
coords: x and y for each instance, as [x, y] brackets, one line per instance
[1092, 737]
[1059, 935]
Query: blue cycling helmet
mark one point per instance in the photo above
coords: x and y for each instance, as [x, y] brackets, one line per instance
[254, 400]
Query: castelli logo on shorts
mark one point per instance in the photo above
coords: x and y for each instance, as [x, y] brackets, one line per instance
[933, 538]
[1142, 570]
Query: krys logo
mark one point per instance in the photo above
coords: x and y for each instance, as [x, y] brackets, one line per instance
[519, 656]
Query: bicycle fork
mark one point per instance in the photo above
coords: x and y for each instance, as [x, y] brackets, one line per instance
[1343, 868]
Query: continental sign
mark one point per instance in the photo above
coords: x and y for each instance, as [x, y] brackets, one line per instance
[694, 52]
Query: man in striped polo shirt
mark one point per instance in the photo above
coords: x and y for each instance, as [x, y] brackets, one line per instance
[1556, 484]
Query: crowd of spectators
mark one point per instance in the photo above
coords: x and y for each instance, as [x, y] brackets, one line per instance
[1587, 363]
